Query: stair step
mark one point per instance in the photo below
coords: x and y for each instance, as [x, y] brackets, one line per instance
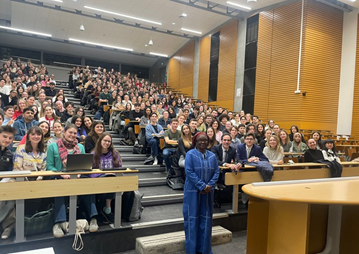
[162, 199]
[175, 242]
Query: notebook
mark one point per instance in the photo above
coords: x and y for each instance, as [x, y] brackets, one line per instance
[79, 162]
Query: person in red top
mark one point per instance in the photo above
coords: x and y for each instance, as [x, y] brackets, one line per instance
[21, 105]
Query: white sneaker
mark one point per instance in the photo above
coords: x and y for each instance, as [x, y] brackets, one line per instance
[65, 226]
[7, 232]
[93, 225]
[155, 162]
[57, 230]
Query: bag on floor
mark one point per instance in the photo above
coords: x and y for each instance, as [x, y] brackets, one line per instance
[175, 179]
[131, 206]
[40, 222]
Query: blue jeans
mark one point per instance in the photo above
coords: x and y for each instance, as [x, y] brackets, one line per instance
[155, 145]
[166, 155]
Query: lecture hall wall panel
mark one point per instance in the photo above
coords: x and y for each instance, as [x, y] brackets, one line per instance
[355, 118]
[181, 70]
[203, 73]
[277, 66]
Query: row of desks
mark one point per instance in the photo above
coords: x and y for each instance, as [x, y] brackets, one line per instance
[21, 190]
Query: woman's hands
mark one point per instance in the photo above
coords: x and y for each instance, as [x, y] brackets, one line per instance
[206, 190]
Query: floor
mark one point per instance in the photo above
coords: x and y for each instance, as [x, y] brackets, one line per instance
[237, 246]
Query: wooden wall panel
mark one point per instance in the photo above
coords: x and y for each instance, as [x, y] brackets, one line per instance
[277, 70]
[227, 64]
[181, 69]
[203, 74]
[355, 118]
[321, 66]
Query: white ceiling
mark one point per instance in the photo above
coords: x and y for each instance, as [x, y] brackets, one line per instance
[63, 25]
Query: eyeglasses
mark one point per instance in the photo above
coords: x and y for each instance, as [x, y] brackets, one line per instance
[106, 141]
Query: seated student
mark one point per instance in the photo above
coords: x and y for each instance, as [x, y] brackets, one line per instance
[186, 115]
[276, 130]
[96, 130]
[250, 154]
[106, 157]
[165, 121]
[201, 126]
[298, 146]
[218, 133]
[234, 140]
[135, 115]
[8, 114]
[181, 119]
[284, 141]
[241, 131]
[184, 145]
[60, 110]
[51, 91]
[226, 154]
[87, 124]
[243, 120]
[79, 111]
[50, 116]
[313, 154]
[7, 222]
[69, 111]
[172, 135]
[45, 128]
[31, 155]
[78, 122]
[57, 131]
[270, 125]
[22, 124]
[318, 140]
[212, 141]
[250, 128]
[21, 105]
[294, 129]
[267, 135]
[193, 126]
[223, 119]
[236, 120]
[274, 151]
[260, 132]
[227, 128]
[153, 129]
[56, 161]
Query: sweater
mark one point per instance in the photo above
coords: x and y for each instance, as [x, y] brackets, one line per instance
[54, 162]
[106, 161]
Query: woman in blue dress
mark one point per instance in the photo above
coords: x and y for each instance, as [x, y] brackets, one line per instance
[202, 173]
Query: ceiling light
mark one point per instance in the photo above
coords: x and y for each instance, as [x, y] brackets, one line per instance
[173, 23]
[150, 43]
[82, 28]
[157, 54]
[59, 1]
[24, 31]
[123, 15]
[99, 44]
[192, 31]
[184, 15]
[240, 6]
[146, 45]
[248, 1]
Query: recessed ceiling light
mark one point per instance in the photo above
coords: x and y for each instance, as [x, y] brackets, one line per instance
[173, 23]
[146, 45]
[24, 31]
[240, 6]
[59, 1]
[123, 15]
[158, 54]
[99, 44]
[191, 31]
[184, 15]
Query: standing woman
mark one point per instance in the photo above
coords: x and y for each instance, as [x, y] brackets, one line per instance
[57, 127]
[31, 155]
[202, 173]
[97, 129]
[273, 151]
[105, 157]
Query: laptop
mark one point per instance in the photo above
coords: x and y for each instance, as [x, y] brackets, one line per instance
[79, 162]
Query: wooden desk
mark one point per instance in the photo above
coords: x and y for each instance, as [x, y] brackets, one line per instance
[303, 216]
[21, 190]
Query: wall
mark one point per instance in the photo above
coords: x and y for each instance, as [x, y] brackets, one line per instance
[277, 66]
[355, 118]
[155, 70]
[180, 74]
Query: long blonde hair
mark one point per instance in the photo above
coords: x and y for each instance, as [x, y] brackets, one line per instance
[278, 148]
[186, 138]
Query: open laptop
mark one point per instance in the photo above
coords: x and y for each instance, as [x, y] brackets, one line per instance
[79, 162]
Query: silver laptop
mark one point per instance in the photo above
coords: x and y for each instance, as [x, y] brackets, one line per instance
[79, 162]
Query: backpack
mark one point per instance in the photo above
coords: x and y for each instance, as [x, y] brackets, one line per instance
[175, 179]
[131, 206]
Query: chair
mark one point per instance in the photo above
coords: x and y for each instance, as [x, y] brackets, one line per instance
[127, 121]
[354, 155]
[137, 129]
[106, 108]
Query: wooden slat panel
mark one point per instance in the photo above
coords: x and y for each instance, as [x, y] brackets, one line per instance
[227, 64]
[277, 66]
[174, 71]
[203, 74]
[355, 118]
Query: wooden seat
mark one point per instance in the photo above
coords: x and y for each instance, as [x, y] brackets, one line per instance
[354, 155]
[294, 159]
[106, 108]
[162, 143]
[137, 129]
[127, 121]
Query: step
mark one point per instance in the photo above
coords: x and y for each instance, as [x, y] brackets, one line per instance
[175, 242]
[143, 168]
[160, 195]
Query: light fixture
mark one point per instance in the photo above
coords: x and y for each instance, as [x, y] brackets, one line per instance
[248, 1]
[157, 54]
[173, 23]
[99, 44]
[123, 15]
[82, 28]
[24, 31]
[150, 43]
[191, 31]
[184, 15]
[59, 1]
[240, 6]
